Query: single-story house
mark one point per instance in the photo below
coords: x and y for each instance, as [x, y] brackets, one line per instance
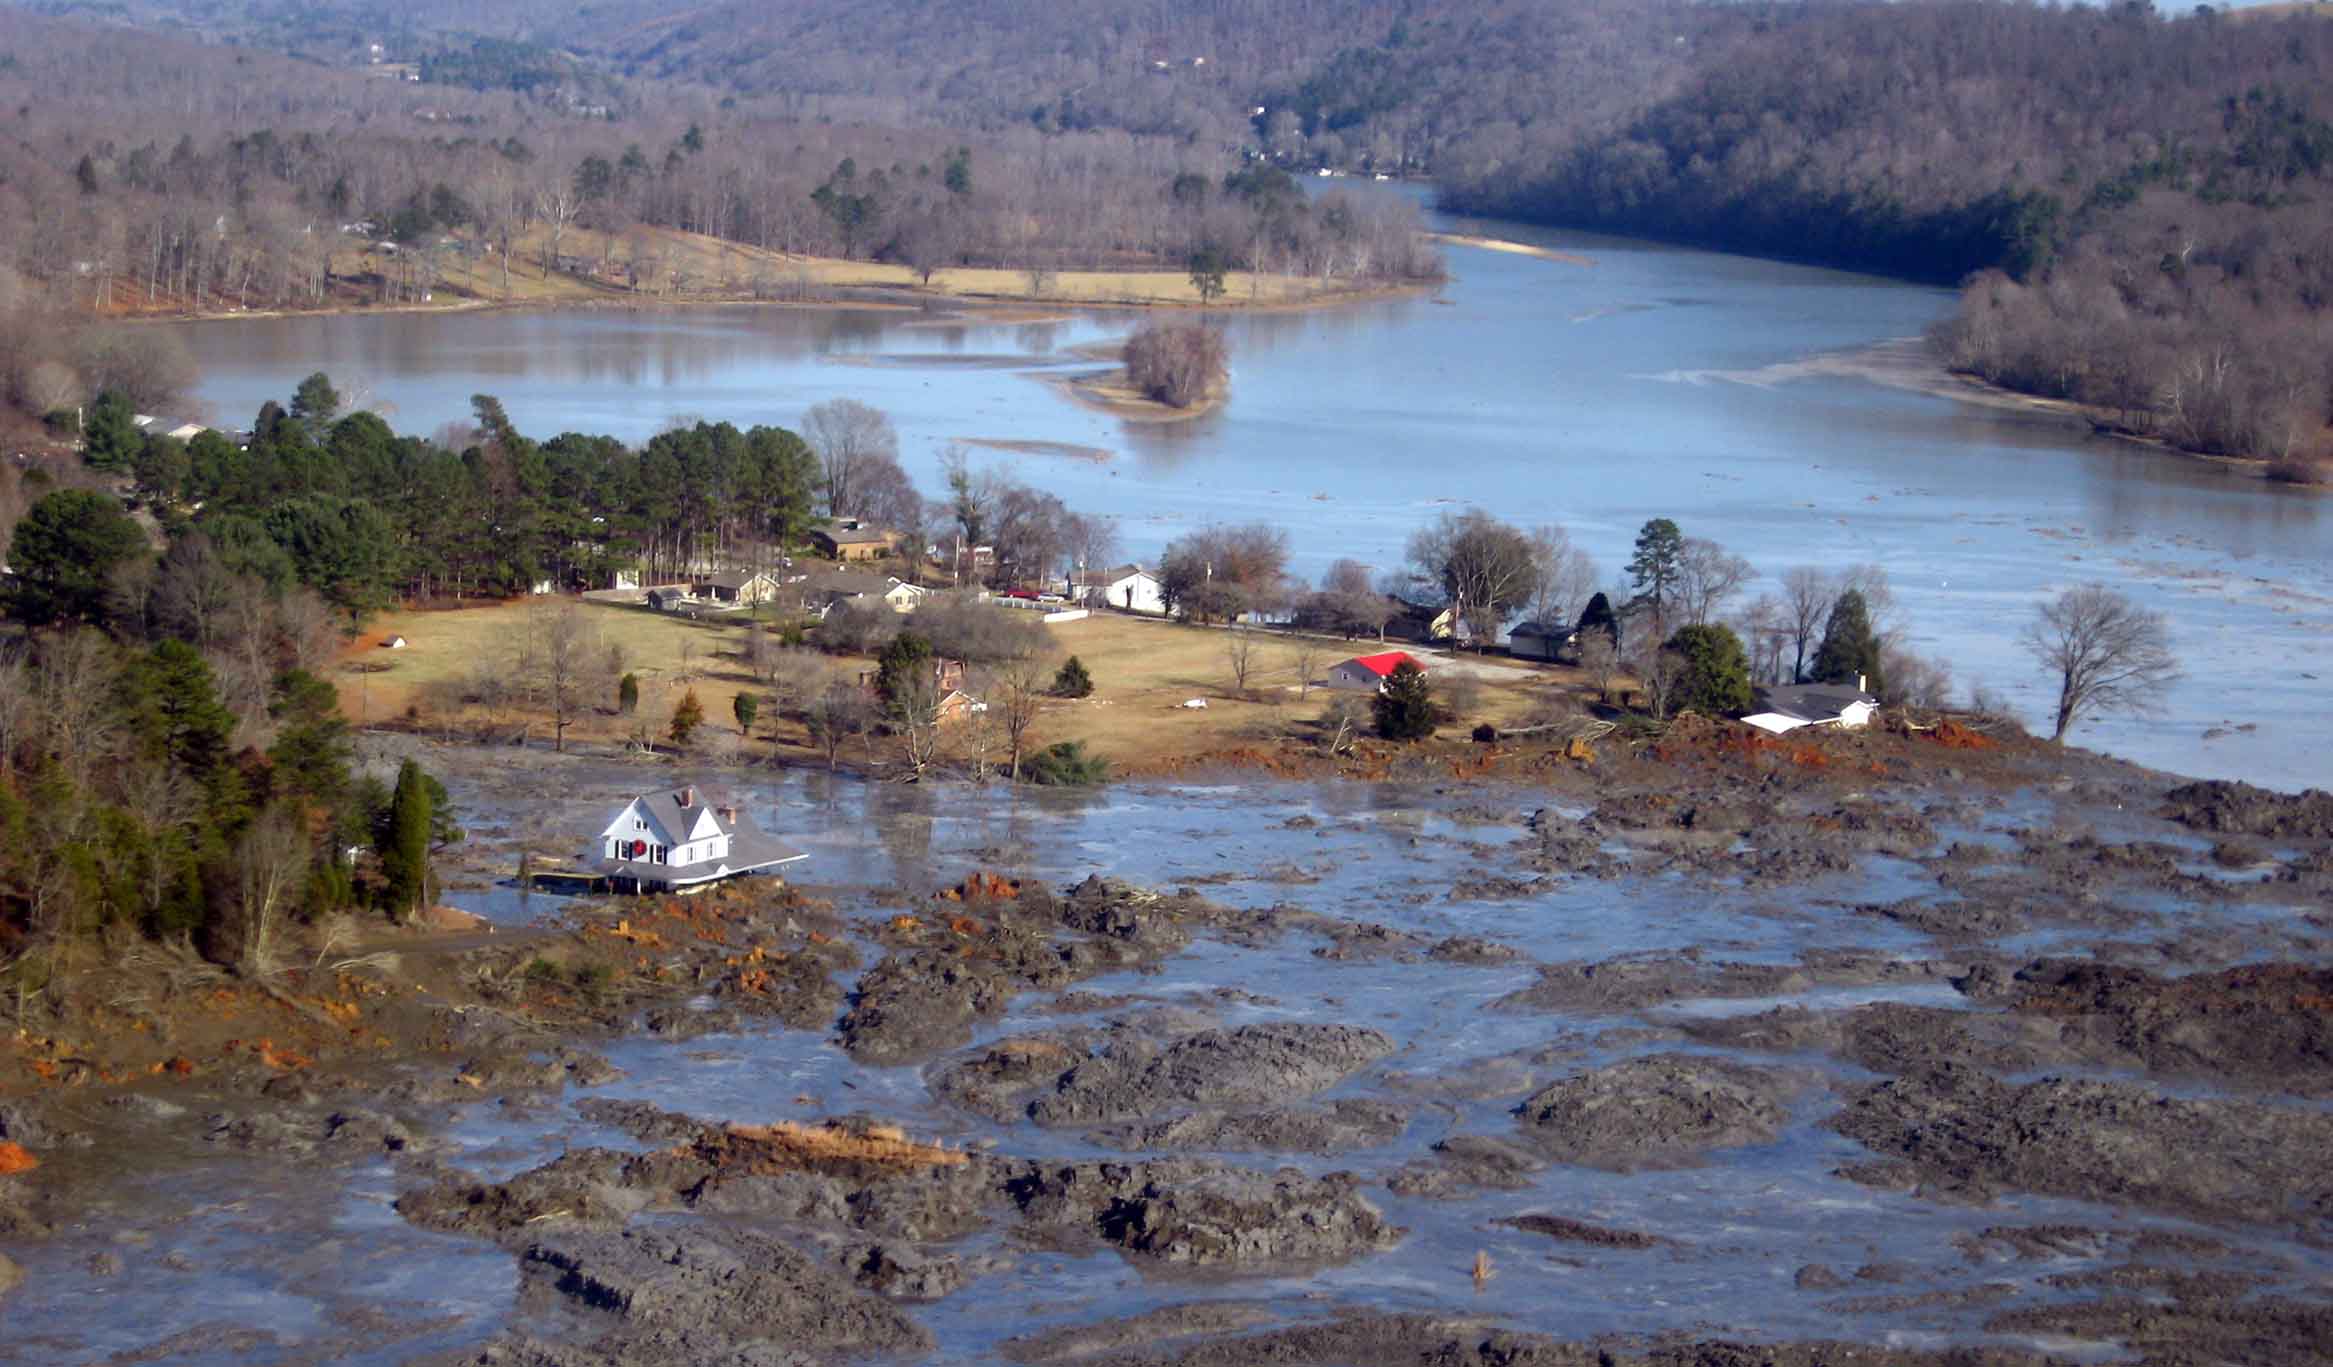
[178, 428]
[959, 705]
[1368, 673]
[1787, 707]
[903, 596]
[683, 839]
[1128, 588]
[1540, 640]
[670, 597]
[740, 587]
[1428, 622]
[815, 590]
[850, 538]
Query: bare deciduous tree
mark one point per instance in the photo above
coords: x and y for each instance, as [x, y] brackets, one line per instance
[1239, 651]
[852, 441]
[1018, 690]
[839, 712]
[1708, 577]
[2108, 654]
[270, 861]
[1308, 654]
[563, 662]
[1807, 595]
[1600, 660]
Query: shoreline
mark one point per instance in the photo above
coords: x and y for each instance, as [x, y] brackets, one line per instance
[1509, 245]
[1905, 363]
[1106, 391]
[1018, 307]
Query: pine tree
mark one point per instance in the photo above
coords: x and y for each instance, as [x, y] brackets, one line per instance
[1072, 681]
[1597, 616]
[403, 843]
[1850, 647]
[628, 694]
[1660, 553]
[1404, 709]
[1717, 671]
[686, 718]
[745, 707]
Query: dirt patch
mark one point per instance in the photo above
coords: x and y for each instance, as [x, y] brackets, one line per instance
[1888, 1037]
[1668, 1110]
[1637, 982]
[1958, 1132]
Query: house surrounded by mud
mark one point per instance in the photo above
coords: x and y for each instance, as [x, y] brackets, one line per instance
[683, 840]
[1787, 707]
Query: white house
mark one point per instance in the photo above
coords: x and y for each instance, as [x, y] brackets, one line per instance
[1787, 707]
[1368, 673]
[903, 596]
[681, 840]
[1128, 588]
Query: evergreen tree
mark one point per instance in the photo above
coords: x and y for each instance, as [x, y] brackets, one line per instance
[745, 707]
[403, 843]
[1598, 616]
[686, 718]
[904, 670]
[65, 554]
[110, 438]
[1404, 709]
[1716, 680]
[1850, 647]
[1072, 681]
[311, 752]
[1654, 569]
[173, 701]
[316, 403]
[628, 694]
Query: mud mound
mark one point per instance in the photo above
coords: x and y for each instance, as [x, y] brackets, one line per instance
[2191, 1328]
[699, 1295]
[1640, 981]
[2270, 1025]
[1200, 1215]
[758, 1150]
[927, 996]
[1960, 1132]
[586, 1187]
[1464, 1163]
[1351, 1123]
[1412, 1340]
[1251, 1066]
[1662, 1111]
[1888, 1037]
[2241, 809]
[1567, 1230]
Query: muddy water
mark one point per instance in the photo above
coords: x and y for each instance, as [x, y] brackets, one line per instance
[245, 1262]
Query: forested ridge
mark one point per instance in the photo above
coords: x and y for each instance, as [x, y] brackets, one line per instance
[2135, 203]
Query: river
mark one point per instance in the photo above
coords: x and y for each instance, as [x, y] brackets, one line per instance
[1720, 391]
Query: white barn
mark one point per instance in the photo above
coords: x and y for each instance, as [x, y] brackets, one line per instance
[1128, 588]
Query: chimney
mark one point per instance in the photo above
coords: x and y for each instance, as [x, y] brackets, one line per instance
[728, 815]
[1859, 685]
[686, 797]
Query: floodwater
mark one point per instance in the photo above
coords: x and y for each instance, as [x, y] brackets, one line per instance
[1726, 393]
[317, 1266]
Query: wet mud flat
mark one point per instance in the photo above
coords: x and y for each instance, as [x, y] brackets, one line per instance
[1679, 1061]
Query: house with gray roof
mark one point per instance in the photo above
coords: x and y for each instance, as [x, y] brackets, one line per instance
[683, 840]
[1787, 707]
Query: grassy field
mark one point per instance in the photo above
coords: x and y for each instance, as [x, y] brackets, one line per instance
[711, 269]
[1143, 672]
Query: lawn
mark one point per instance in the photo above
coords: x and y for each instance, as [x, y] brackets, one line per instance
[1144, 670]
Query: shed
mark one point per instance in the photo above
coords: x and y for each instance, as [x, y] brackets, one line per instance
[1368, 673]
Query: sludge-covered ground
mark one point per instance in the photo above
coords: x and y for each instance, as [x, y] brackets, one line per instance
[2030, 1068]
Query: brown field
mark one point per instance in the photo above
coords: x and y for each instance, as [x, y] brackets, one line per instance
[1143, 671]
[690, 267]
